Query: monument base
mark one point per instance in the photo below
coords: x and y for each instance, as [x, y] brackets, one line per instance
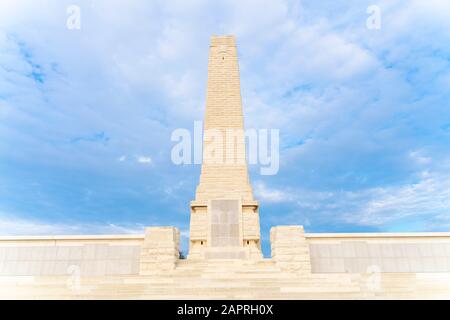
[224, 229]
[242, 253]
[303, 265]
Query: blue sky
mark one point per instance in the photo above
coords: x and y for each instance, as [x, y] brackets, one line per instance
[86, 115]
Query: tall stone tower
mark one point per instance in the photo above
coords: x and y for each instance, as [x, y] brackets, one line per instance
[224, 216]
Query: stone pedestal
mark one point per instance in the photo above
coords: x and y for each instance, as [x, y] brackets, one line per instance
[225, 229]
[290, 249]
[160, 250]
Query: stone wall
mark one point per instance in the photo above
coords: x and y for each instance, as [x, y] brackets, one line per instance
[379, 252]
[290, 249]
[160, 250]
[62, 255]
[156, 251]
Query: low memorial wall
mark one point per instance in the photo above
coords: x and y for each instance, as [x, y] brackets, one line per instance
[379, 252]
[62, 255]
[292, 250]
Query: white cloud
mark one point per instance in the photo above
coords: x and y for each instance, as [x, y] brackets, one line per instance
[262, 192]
[419, 158]
[10, 225]
[424, 202]
[428, 198]
[144, 159]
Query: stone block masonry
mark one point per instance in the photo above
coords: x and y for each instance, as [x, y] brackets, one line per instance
[160, 250]
[224, 111]
[224, 174]
[94, 255]
[290, 249]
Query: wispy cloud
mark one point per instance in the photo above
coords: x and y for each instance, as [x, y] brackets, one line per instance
[144, 159]
[421, 204]
[428, 199]
[10, 225]
[268, 195]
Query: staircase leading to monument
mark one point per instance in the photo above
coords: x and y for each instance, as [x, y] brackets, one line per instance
[230, 279]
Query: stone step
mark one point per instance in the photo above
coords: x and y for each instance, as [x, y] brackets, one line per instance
[257, 284]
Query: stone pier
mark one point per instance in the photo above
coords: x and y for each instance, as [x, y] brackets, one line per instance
[160, 250]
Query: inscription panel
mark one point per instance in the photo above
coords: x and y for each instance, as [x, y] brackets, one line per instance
[225, 223]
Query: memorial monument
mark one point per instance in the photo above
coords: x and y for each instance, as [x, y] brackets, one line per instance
[225, 259]
[224, 215]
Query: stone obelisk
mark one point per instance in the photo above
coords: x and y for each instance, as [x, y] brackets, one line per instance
[224, 216]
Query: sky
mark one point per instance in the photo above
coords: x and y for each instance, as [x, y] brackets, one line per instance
[86, 114]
